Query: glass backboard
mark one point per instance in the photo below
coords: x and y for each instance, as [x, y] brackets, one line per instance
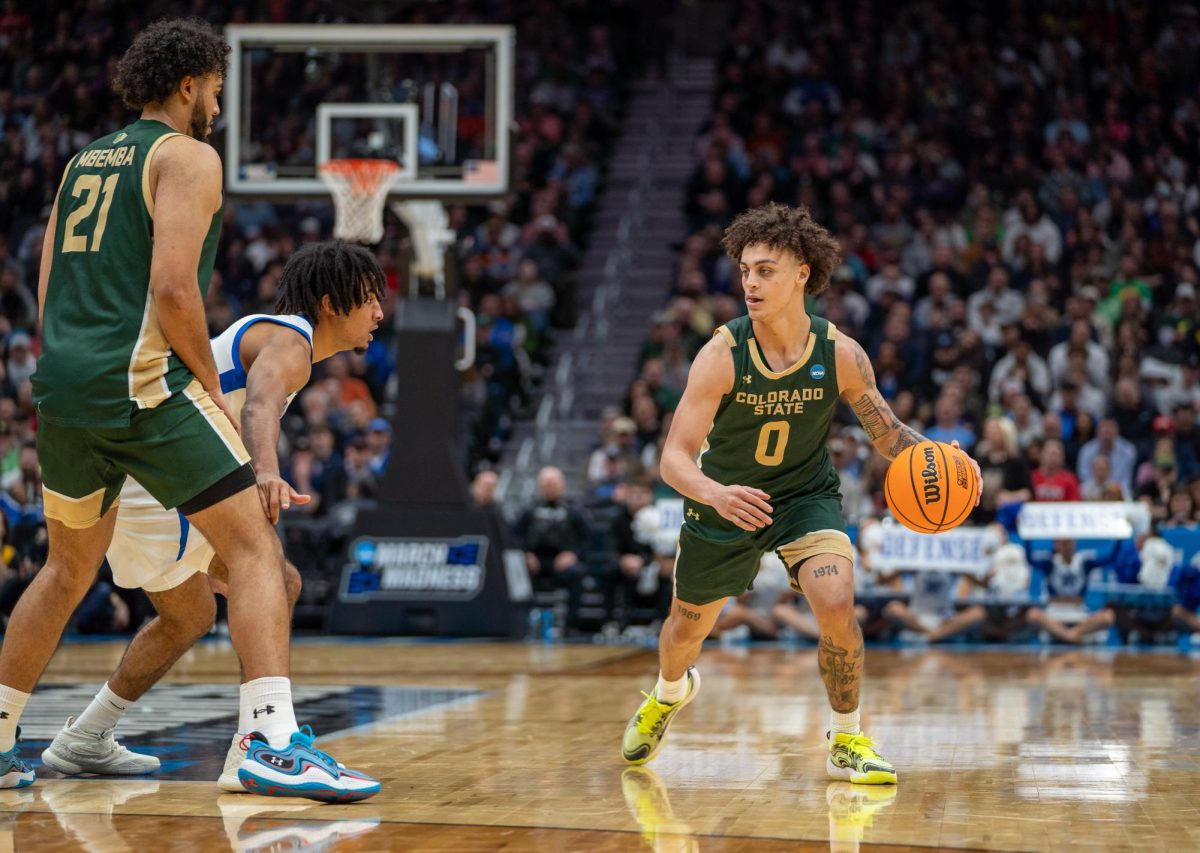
[438, 99]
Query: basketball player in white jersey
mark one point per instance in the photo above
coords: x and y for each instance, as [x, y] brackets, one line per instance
[329, 302]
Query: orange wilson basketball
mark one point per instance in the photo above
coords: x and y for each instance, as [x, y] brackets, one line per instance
[930, 487]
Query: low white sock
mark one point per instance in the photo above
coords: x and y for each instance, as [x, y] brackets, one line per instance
[104, 713]
[12, 703]
[845, 723]
[670, 692]
[271, 713]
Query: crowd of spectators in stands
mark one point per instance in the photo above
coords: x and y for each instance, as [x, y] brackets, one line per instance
[1015, 189]
[515, 259]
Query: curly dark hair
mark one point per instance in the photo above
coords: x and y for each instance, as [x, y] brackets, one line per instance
[163, 54]
[348, 274]
[790, 229]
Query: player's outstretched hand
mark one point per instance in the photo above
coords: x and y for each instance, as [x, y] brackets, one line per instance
[978, 473]
[276, 494]
[744, 506]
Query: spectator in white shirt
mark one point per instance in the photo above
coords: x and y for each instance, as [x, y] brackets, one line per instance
[1097, 358]
[1006, 302]
[1027, 219]
[934, 310]
[1024, 364]
[890, 280]
[1122, 456]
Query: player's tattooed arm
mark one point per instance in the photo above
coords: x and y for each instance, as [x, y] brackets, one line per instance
[856, 381]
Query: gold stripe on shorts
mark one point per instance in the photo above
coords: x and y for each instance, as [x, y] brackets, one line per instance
[217, 420]
[76, 513]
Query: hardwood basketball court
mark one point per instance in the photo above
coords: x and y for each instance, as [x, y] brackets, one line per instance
[485, 746]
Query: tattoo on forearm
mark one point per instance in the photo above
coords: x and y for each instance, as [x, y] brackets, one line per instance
[864, 366]
[871, 418]
[822, 571]
[841, 670]
[693, 615]
[878, 420]
[907, 438]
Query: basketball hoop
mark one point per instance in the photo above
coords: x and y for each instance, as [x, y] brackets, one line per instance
[359, 188]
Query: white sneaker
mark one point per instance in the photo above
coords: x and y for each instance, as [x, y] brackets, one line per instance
[228, 780]
[75, 751]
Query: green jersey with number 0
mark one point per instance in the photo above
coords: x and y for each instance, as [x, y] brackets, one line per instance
[770, 432]
[104, 352]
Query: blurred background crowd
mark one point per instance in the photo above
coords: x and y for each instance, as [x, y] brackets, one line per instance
[516, 258]
[1015, 190]
[1014, 186]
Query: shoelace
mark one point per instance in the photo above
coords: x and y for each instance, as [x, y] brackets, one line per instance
[863, 744]
[306, 738]
[649, 723]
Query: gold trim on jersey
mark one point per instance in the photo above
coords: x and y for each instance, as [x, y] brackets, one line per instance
[831, 335]
[217, 419]
[149, 359]
[76, 513]
[761, 363]
[724, 332]
[147, 198]
[806, 547]
[148, 362]
[63, 180]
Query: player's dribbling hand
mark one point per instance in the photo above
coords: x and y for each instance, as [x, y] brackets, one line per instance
[276, 494]
[978, 473]
[744, 506]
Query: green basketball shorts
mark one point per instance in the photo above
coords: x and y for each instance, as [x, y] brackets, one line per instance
[708, 570]
[176, 451]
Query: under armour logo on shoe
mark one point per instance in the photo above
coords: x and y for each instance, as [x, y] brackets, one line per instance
[264, 710]
[276, 760]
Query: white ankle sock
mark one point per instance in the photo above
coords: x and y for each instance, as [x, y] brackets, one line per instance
[670, 692]
[104, 713]
[845, 723]
[12, 703]
[268, 702]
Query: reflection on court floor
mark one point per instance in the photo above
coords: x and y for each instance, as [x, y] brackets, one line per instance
[486, 746]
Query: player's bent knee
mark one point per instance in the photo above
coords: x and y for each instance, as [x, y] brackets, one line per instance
[71, 581]
[833, 605]
[200, 622]
[188, 619]
[292, 582]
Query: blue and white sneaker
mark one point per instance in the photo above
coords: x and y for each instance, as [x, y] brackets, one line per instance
[14, 772]
[301, 770]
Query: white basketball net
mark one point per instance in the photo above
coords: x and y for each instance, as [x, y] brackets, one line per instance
[359, 189]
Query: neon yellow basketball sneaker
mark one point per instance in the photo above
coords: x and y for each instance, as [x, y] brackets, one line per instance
[647, 729]
[852, 758]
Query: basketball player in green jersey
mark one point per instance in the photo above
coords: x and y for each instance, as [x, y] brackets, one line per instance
[127, 385]
[747, 451]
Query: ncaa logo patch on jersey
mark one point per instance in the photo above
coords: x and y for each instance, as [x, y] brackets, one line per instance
[817, 371]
